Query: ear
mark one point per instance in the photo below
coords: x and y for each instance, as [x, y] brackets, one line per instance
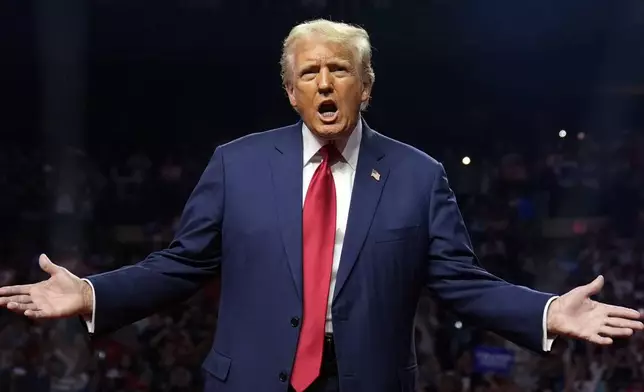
[366, 93]
[291, 95]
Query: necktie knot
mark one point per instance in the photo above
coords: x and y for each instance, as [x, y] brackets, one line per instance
[330, 152]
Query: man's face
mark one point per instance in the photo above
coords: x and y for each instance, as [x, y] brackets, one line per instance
[325, 88]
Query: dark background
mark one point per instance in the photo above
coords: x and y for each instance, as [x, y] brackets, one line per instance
[446, 71]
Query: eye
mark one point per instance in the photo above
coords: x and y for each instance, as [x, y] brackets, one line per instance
[339, 69]
[308, 73]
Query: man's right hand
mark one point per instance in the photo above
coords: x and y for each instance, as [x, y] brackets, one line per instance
[62, 295]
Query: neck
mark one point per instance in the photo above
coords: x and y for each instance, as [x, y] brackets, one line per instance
[339, 140]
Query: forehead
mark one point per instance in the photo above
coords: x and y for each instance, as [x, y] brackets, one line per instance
[316, 50]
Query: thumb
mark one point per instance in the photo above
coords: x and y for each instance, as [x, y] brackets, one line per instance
[47, 265]
[594, 287]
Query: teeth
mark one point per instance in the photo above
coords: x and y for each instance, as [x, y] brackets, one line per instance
[328, 114]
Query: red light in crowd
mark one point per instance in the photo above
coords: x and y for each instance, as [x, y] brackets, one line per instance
[579, 227]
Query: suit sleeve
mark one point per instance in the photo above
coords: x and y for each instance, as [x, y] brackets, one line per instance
[456, 277]
[168, 276]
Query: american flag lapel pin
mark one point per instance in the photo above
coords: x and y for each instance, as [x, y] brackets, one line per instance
[375, 175]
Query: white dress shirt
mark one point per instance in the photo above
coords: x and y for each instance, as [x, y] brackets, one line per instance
[343, 176]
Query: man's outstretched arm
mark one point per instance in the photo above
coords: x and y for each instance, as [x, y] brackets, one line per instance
[527, 317]
[114, 299]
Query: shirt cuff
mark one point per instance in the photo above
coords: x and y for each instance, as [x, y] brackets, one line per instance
[91, 323]
[547, 341]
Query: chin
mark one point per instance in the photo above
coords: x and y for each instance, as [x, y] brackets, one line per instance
[331, 131]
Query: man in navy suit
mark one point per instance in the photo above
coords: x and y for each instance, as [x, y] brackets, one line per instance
[324, 233]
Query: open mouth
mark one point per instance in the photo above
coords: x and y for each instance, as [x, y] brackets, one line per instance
[328, 110]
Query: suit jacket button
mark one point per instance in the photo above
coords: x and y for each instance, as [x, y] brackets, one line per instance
[295, 322]
[283, 377]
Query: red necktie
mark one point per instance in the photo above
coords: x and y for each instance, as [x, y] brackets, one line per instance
[318, 232]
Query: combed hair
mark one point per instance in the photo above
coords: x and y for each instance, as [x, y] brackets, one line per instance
[355, 38]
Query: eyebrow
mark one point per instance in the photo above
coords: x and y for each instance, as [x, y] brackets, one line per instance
[309, 63]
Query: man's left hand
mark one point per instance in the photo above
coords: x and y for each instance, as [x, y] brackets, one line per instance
[576, 315]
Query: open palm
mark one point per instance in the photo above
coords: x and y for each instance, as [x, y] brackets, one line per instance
[59, 296]
[576, 315]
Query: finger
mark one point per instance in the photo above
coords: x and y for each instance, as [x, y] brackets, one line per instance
[17, 307]
[36, 314]
[625, 323]
[594, 287]
[15, 290]
[601, 340]
[15, 298]
[615, 332]
[47, 265]
[621, 312]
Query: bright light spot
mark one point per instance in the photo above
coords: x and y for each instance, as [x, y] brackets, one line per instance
[562, 133]
[458, 325]
[581, 136]
[466, 160]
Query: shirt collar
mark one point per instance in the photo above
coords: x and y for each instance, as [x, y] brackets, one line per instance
[348, 149]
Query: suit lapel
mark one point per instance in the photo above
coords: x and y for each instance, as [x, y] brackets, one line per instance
[370, 178]
[286, 165]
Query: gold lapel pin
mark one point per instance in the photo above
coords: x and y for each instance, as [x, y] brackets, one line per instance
[375, 175]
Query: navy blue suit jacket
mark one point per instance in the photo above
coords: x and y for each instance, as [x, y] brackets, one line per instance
[243, 221]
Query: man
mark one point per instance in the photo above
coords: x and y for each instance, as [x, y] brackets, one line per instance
[324, 233]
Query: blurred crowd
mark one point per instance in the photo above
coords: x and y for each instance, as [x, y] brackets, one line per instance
[551, 217]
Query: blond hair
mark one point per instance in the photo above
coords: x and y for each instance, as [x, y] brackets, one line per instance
[354, 38]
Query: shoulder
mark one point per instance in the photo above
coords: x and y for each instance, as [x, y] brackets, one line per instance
[258, 143]
[403, 156]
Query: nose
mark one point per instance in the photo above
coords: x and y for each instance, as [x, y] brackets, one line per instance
[325, 81]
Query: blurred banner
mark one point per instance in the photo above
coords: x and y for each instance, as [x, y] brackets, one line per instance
[495, 360]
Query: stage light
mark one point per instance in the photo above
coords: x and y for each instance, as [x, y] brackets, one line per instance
[466, 161]
[562, 133]
[581, 136]
[458, 325]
